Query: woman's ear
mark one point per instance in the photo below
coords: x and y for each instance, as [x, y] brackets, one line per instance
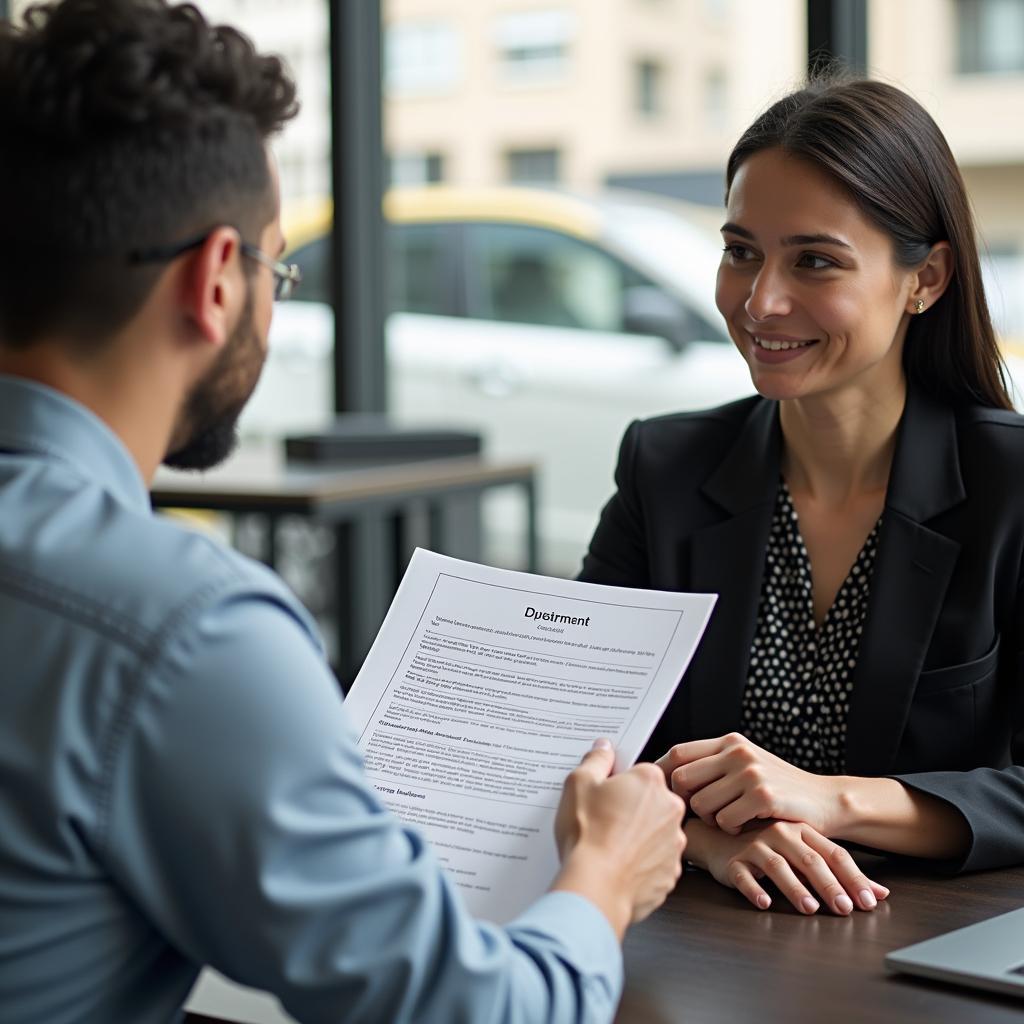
[215, 286]
[931, 279]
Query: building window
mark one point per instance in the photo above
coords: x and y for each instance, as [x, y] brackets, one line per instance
[533, 166]
[716, 101]
[415, 169]
[533, 46]
[1002, 268]
[650, 88]
[421, 58]
[990, 36]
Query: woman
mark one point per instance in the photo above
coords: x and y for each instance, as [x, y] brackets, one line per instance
[862, 520]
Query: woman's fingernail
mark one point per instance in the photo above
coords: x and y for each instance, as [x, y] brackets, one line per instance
[764, 901]
[885, 891]
[844, 904]
[810, 905]
[603, 743]
[867, 899]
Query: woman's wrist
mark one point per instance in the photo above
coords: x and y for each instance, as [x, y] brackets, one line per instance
[845, 808]
[888, 815]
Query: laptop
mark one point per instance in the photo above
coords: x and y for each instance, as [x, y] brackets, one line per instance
[987, 955]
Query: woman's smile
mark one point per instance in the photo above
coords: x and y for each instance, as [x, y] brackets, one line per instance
[777, 348]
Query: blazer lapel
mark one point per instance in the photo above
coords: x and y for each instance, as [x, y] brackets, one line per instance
[912, 570]
[727, 558]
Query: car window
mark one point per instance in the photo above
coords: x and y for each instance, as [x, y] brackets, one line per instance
[515, 273]
[536, 276]
[418, 258]
[678, 321]
[415, 269]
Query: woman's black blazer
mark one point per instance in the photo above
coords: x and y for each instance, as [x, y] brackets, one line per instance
[937, 696]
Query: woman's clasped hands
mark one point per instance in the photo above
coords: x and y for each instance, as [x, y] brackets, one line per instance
[758, 816]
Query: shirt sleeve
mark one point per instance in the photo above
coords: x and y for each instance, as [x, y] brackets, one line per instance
[241, 823]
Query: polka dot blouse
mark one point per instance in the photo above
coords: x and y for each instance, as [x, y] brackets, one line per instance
[797, 697]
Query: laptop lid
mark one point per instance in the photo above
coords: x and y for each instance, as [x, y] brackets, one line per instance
[987, 955]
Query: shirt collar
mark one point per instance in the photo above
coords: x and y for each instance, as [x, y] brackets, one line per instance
[37, 419]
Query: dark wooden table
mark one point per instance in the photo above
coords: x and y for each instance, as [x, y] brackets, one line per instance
[379, 513]
[707, 956]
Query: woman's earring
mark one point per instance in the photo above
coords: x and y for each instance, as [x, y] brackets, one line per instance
[919, 306]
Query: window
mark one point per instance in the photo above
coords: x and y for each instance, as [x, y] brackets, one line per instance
[990, 36]
[650, 85]
[533, 46]
[303, 149]
[533, 166]
[415, 169]
[1002, 268]
[716, 101]
[418, 262]
[534, 276]
[421, 58]
[528, 275]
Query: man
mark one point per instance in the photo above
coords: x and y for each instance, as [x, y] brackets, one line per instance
[178, 782]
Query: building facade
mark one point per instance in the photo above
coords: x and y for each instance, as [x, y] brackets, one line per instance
[652, 94]
[647, 94]
[582, 92]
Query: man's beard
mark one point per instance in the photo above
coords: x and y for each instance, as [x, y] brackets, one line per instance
[212, 408]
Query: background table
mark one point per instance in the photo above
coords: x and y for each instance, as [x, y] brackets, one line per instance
[378, 513]
[707, 956]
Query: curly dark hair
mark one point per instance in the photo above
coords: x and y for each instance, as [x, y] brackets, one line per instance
[125, 125]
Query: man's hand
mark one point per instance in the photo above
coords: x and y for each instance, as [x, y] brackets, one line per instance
[730, 781]
[795, 857]
[620, 838]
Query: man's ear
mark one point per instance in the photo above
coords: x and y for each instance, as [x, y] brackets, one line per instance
[214, 286]
[932, 278]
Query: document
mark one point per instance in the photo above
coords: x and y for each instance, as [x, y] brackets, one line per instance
[483, 690]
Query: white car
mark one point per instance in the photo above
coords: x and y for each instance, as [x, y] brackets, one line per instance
[546, 321]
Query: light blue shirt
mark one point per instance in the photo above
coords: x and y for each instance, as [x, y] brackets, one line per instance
[179, 785]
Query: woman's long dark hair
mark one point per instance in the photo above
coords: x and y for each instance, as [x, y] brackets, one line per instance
[893, 160]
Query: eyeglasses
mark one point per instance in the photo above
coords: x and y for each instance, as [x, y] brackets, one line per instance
[287, 276]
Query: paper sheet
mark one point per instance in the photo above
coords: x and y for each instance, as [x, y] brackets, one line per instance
[485, 687]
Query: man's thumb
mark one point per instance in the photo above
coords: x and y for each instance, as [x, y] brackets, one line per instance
[600, 759]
